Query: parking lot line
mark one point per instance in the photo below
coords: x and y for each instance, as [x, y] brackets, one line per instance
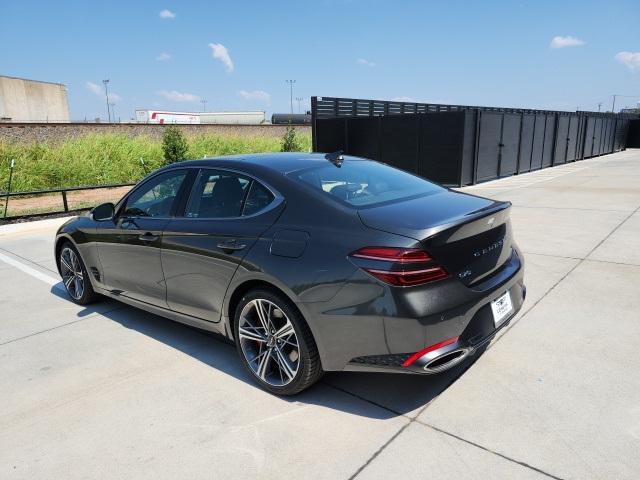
[531, 307]
[49, 280]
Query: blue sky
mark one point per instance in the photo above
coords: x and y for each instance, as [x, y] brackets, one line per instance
[160, 54]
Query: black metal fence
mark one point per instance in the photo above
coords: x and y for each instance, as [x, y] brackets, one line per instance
[37, 209]
[459, 144]
[633, 135]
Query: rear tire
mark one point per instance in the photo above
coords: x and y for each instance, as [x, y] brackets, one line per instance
[75, 276]
[275, 343]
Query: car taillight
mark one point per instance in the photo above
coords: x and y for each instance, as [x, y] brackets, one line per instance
[392, 254]
[409, 266]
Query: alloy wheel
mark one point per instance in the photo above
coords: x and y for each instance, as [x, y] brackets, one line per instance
[72, 274]
[269, 342]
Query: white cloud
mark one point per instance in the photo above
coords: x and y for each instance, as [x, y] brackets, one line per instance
[221, 53]
[94, 88]
[568, 41]
[404, 99]
[163, 57]
[167, 14]
[258, 95]
[630, 59]
[365, 62]
[98, 90]
[175, 96]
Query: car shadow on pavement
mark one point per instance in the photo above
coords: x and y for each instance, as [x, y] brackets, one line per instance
[373, 395]
[100, 307]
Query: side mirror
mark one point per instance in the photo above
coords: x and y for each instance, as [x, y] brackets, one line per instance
[104, 211]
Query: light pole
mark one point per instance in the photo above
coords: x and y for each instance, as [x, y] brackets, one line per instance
[291, 82]
[106, 93]
[204, 104]
[613, 106]
[299, 99]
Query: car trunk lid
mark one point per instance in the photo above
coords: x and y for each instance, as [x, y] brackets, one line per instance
[470, 236]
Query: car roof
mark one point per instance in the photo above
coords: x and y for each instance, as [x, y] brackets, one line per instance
[283, 163]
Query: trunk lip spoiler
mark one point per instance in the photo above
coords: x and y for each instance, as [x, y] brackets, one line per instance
[496, 207]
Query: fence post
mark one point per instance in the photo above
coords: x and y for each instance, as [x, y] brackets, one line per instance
[6, 200]
[144, 167]
[64, 201]
[314, 120]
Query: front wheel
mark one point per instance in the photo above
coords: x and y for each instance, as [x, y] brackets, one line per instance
[74, 275]
[275, 343]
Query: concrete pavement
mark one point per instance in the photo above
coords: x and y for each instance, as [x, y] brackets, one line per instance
[111, 392]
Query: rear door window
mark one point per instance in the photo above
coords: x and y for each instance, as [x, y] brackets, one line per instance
[217, 194]
[258, 199]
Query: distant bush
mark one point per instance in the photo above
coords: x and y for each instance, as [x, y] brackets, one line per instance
[174, 145]
[290, 141]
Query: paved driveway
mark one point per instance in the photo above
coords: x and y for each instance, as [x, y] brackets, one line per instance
[113, 392]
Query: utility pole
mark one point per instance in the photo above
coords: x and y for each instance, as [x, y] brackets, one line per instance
[291, 82]
[204, 104]
[613, 105]
[106, 93]
[299, 99]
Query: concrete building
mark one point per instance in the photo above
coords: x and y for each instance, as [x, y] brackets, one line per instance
[23, 100]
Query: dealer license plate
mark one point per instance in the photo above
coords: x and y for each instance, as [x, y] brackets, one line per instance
[501, 308]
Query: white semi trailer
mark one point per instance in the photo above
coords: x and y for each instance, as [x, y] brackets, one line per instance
[160, 116]
[221, 118]
[233, 118]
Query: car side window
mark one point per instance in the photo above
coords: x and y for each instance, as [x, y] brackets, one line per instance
[156, 197]
[217, 194]
[258, 199]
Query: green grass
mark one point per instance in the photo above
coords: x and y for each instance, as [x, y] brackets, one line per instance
[111, 158]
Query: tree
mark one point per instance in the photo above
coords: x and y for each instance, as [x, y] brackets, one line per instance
[174, 145]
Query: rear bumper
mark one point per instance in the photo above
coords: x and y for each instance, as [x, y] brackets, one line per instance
[378, 329]
[478, 334]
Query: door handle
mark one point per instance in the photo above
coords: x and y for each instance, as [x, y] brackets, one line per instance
[148, 237]
[231, 245]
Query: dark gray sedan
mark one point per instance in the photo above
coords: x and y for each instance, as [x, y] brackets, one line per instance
[308, 262]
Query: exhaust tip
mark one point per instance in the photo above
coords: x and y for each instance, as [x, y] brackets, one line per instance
[446, 361]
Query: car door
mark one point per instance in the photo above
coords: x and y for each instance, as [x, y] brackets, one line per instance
[129, 244]
[226, 214]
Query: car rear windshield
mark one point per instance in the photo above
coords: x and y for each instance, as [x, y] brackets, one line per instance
[363, 183]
